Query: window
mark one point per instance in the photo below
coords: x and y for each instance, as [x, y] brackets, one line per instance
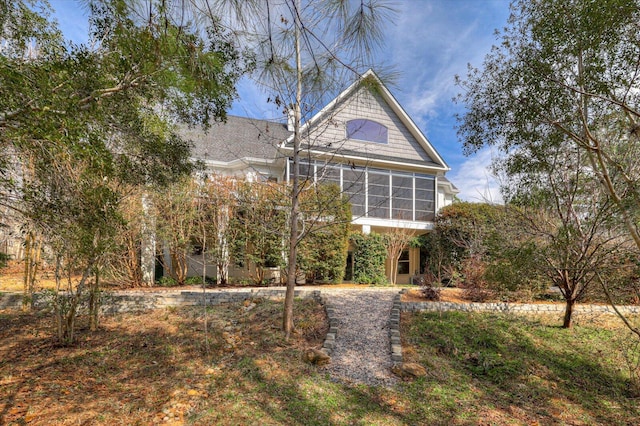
[402, 196]
[353, 186]
[403, 263]
[379, 193]
[326, 173]
[306, 171]
[367, 130]
[425, 192]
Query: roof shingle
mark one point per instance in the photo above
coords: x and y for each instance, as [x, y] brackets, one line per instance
[237, 138]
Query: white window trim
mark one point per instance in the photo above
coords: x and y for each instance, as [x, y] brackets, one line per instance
[376, 221]
[346, 132]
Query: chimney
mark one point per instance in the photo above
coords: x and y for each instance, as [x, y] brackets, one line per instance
[290, 120]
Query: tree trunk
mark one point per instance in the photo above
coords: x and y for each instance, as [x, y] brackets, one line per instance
[287, 317]
[568, 312]
[57, 308]
[223, 250]
[133, 263]
[70, 320]
[393, 266]
[179, 265]
[27, 296]
[32, 252]
[287, 320]
[223, 272]
[204, 289]
[94, 303]
[148, 244]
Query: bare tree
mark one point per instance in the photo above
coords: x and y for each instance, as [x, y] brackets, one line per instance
[397, 241]
[218, 203]
[176, 213]
[568, 215]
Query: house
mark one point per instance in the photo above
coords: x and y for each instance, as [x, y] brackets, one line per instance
[362, 141]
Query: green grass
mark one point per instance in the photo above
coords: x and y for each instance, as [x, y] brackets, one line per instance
[516, 369]
[482, 369]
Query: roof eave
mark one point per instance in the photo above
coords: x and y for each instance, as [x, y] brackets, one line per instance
[452, 188]
[238, 163]
[395, 106]
[370, 161]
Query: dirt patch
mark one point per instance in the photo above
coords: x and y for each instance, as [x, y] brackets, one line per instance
[453, 295]
[148, 368]
[12, 278]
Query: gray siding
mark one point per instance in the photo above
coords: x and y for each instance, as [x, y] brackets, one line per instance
[331, 130]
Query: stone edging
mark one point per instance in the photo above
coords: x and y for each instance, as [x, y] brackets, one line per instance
[330, 339]
[394, 329]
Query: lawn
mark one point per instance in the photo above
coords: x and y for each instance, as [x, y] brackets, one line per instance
[157, 368]
[502, 370]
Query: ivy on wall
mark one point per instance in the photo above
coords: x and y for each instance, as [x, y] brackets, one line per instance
[322, 252]
[369, 256]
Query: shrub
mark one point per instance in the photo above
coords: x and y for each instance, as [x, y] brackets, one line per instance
[479, 295]
[463, 231]
[622, 278]
[260, 222]
[197, 280]
[241, 282]
[472, 281]
[167, 281]
[322, 253]
[513, 272]
[369, 257]
[4, 259]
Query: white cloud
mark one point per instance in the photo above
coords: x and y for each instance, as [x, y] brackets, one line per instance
[423, 104]
[434, 41]
[431, 43]
[474, 179]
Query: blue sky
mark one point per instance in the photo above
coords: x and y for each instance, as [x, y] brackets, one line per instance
[429, 43]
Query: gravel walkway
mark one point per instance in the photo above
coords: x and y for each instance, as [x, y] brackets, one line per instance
[362, 354]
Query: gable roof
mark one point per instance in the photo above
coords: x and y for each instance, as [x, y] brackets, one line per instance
[437, 161]
[235, 139]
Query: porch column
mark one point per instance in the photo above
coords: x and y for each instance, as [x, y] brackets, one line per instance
[148, 244]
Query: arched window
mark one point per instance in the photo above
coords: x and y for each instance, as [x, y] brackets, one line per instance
[367, 130]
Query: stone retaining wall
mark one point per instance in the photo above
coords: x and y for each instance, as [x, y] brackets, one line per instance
[139, 301]
[513, 307]
[129, 301]
[10, 301]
